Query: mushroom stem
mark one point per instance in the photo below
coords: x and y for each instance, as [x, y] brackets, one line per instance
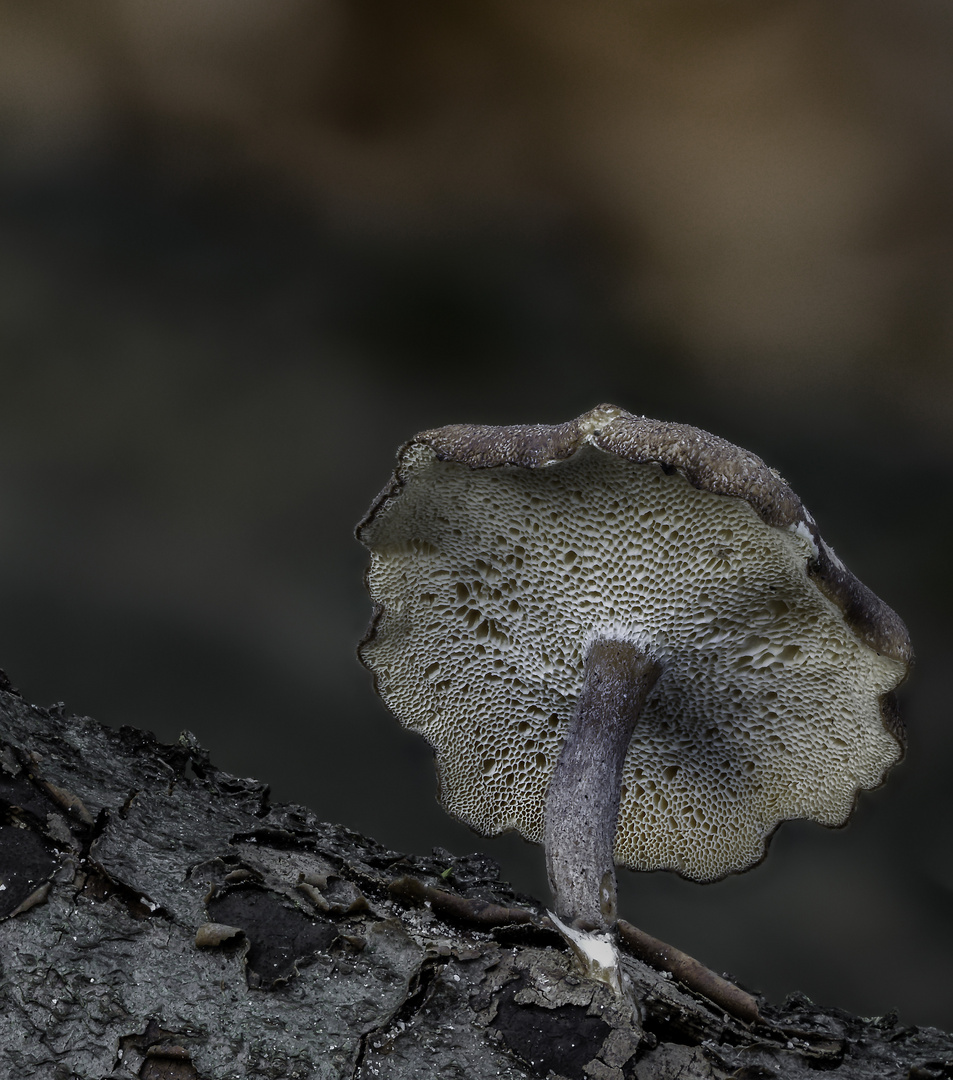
[583, 801]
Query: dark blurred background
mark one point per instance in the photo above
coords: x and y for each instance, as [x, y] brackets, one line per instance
[247, 249]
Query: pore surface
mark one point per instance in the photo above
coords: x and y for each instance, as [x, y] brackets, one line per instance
[493, 583]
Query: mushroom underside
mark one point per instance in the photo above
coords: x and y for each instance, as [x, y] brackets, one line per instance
[492, 584]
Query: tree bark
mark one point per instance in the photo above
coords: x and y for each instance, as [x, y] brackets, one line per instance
[160, 918]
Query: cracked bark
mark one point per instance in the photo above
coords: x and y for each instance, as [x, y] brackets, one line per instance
[160, 918]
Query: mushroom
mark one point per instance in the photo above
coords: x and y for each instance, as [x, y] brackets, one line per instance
[625, 639]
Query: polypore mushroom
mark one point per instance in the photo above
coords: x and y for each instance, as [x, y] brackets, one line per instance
[625, 639]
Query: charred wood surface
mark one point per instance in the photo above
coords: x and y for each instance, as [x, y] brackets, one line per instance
[161, 918]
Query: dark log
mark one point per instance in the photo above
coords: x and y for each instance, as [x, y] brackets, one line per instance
[161, 918]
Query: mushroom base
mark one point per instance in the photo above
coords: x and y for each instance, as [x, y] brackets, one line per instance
[582, 805]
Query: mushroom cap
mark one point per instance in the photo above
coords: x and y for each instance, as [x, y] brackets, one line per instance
[499, 554]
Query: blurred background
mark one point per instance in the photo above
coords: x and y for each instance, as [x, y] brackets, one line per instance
[248, 247]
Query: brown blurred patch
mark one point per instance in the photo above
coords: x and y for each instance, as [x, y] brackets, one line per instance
[768, 180]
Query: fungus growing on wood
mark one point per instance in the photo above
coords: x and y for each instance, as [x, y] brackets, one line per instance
[625, 639]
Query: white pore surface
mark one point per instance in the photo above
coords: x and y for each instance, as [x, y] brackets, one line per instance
[494, 581]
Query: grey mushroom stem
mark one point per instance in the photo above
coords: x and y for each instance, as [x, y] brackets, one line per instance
[582, 806]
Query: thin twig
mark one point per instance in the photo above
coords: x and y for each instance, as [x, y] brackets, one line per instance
[463, 908]
[689, 972]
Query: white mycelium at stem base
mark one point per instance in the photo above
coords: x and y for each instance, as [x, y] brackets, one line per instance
[582, 805]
